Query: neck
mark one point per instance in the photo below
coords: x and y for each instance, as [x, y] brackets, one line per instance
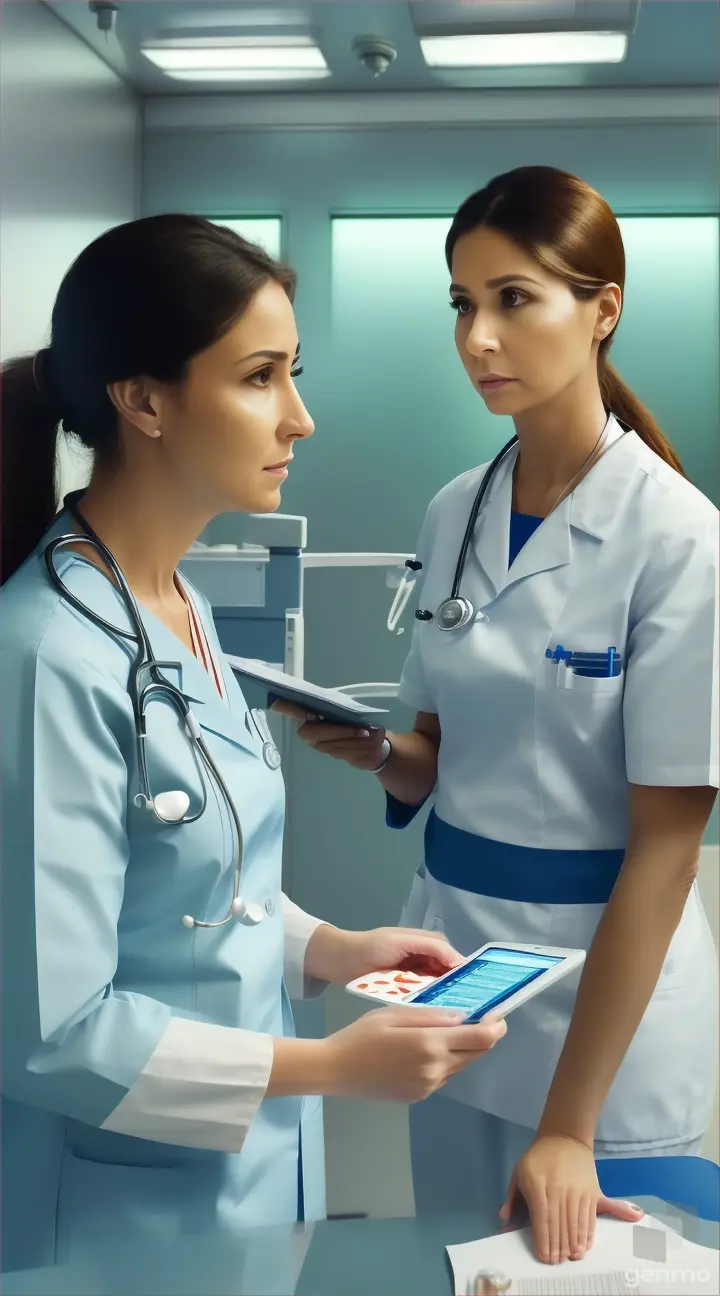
[555, 441]
[146, 527]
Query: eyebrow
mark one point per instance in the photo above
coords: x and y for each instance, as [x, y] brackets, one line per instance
[267, 355]
[498, 283]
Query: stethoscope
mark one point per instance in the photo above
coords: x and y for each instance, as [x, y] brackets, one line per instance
[456, 611]
[168, 807]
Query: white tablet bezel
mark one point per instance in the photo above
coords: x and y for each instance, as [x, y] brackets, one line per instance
[571, 960]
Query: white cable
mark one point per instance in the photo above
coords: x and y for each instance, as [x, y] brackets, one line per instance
[400, 602]
[368, 690]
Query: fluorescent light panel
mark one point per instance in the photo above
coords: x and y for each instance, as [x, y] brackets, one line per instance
[524, 49]
[265, 59]
[249, 74]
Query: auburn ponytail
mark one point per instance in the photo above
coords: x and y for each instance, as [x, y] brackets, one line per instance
[28, 449]
[624, 404]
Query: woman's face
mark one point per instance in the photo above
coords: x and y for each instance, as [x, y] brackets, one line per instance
[522, 335]
[230, 428]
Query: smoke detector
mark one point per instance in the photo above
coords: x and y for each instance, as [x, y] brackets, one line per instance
[105, 12]
[374, 53]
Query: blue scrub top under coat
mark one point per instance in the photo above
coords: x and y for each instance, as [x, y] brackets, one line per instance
[522, 527]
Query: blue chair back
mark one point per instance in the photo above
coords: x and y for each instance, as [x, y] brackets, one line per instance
[689, 1182]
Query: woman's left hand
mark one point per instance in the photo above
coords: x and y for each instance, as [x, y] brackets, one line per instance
[559, 1183]
[347, 955]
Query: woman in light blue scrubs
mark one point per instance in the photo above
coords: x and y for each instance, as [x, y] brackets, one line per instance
[569, 802]
[151, 1082]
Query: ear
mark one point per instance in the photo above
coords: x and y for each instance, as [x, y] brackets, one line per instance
[609, 306]
[137, 404]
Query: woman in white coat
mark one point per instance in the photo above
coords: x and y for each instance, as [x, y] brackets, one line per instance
[152, 1085]
[570, 800]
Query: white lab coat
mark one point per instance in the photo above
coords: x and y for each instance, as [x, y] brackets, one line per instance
[537, 756]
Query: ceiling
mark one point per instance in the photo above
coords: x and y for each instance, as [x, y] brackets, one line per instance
[674, 42]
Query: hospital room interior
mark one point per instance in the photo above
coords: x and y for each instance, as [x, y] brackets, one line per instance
[347, 158]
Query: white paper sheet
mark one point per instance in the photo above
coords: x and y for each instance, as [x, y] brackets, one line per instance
[617, 1265]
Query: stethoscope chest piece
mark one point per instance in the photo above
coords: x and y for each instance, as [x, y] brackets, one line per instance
[271, 756]
[454, 613]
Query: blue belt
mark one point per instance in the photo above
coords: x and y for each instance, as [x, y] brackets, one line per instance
[507, 872]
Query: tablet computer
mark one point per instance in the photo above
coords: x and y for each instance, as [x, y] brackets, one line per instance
[324, 703]
[495, 979]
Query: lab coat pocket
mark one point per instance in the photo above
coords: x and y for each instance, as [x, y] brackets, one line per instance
[102, 1204]
[590, 686]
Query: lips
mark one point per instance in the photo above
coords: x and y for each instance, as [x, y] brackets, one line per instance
[276, 467]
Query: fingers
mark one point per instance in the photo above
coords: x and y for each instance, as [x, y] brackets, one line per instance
[424, 947]
[422, 1017]
[320, 733]
[315, 731]
[475, 1039]
[620, 1209]
[508, 1206]
[290, 709]
[561, 1250]
[539, 1209]
[572, 1223]
[585, 1209]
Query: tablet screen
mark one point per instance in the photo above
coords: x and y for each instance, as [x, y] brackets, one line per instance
[487, 981]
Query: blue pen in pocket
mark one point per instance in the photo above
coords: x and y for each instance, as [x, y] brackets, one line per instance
[595, 665]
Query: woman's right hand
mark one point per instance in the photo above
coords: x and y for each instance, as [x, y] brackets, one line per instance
[404, 1054]
[361, 748]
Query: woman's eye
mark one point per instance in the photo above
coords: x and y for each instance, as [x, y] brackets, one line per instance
[261, 377]
[297, 372]
[460, 305]
[512, 297]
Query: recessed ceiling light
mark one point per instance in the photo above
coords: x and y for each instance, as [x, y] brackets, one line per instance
[267, 58]
[249, 74]
[518, 49]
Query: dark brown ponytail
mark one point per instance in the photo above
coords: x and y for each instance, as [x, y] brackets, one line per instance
[623, 402]
[571, 231]
[144, 298]
[28, 449]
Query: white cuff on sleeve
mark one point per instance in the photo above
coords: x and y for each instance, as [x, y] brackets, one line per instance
[201, 1088]
[299, 927]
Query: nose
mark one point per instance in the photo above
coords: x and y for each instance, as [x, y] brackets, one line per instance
[298, 422]
[481, 336]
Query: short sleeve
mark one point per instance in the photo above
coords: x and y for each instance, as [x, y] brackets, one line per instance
[414, 689]
[670, 707]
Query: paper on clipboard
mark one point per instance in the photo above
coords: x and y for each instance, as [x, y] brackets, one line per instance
[611, 1268]
[329, 703]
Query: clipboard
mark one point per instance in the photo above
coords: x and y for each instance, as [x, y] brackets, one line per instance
[325, 703]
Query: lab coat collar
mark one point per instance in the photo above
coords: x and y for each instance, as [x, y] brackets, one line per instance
[92, 587]
[592, 508]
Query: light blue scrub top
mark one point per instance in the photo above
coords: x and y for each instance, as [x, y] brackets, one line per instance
[95, 958]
